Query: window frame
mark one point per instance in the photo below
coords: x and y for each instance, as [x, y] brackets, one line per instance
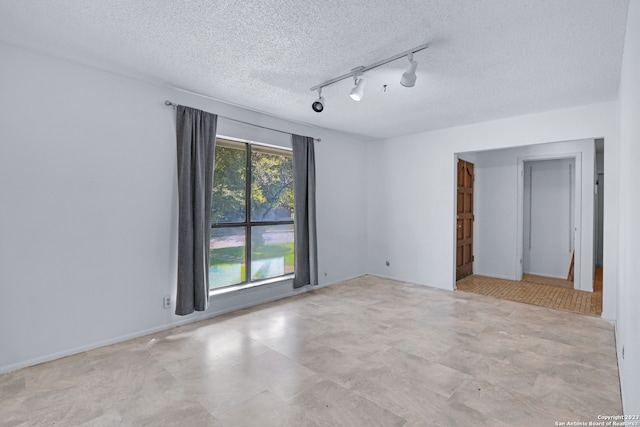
[248, 223]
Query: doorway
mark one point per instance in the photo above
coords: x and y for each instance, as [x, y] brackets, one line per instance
[567, 235]
[549, 218]
[464, 220]
[500, 228]
[599, 204]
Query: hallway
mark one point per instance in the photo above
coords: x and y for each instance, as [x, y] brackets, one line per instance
[550, 293]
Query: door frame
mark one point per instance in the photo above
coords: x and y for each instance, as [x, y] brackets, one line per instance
[598, 216]
[577, 201]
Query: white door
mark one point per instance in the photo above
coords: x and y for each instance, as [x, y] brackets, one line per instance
[549, 217]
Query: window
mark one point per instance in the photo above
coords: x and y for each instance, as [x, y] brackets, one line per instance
[251, 214]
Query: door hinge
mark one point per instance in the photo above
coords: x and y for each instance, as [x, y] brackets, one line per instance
[473, 258]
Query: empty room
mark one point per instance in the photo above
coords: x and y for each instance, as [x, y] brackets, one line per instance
[277, 213]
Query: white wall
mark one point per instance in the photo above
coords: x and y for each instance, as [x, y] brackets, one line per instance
[496, 228]
[88, 217]
[496, 213]
[628, 320]
[411, 187]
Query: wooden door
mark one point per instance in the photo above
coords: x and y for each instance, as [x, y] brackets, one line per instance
[464, 221]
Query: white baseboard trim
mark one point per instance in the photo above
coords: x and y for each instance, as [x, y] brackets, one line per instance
[429, 285]
[497, 276]
[185, 321]
[553, 276]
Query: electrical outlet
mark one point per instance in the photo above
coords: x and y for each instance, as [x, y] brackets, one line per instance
[167, 301]
[387, 263]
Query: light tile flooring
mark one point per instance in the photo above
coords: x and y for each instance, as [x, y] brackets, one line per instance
[369, 352]
[536, 293]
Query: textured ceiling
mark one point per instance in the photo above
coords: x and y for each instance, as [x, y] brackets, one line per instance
[487, 58]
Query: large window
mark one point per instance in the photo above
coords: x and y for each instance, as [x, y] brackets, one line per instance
[251, 214]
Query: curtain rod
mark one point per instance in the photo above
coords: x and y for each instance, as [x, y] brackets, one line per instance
[174, 105]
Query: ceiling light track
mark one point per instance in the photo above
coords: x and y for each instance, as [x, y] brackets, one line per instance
[408, 78]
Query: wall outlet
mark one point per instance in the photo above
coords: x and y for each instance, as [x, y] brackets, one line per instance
[167, 301]
[387, 263]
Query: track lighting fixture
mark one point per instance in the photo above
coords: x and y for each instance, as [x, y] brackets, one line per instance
[318, 105]
[358, 91]
[408, 78]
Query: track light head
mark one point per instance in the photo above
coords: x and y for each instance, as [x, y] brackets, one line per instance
[318, 104]
[409, 77]
[358, 91]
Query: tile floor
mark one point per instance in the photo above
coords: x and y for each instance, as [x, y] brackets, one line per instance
[534, 292]
[368, 352]
[547, 281]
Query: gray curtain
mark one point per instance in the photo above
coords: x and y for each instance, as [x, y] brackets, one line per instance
[196, 138]
[304, 193]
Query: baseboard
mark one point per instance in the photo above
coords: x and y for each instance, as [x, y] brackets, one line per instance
[547, 275]
[191, 319]
[399, 279]
[497, 276]
[324, 285]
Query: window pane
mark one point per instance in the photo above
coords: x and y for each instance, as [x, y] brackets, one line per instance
[271, 184]
[271, 251]
[227, 261]
[229, 183]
